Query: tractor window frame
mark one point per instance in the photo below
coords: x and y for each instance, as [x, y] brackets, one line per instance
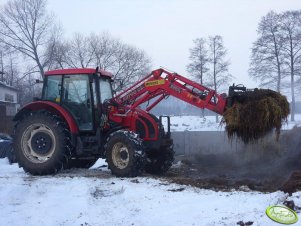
[95, 101]
[90, 88]
[106, 80]
[58, 99]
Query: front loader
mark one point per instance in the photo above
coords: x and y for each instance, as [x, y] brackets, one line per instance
[78, 120]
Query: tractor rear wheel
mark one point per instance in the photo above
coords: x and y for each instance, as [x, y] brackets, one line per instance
[125, 154]
[159, 161]
[41, 143]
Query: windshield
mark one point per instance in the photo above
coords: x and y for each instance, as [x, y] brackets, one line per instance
[105, 89]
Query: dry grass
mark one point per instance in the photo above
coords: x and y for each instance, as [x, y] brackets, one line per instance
[256, 113]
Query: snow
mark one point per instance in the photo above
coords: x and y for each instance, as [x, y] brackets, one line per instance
[94, 197]
[208, 123]
[195, 123]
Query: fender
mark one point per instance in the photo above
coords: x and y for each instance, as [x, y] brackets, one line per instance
[52, 107]
[151, 124]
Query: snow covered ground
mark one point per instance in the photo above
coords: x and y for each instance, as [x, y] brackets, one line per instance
[207, 123]
[94, 197]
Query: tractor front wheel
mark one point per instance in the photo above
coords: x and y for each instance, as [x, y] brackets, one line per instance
[159, 161]
[125, 154]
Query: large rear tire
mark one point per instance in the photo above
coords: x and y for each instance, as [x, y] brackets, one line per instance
[159, 161]
[41, 143]
[125, 154]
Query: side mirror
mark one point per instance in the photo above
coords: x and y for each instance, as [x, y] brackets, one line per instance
[39, 81]
[117, 84]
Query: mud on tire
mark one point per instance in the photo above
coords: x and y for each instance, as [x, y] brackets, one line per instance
[125, 154]
[159, 161]
[41, 143]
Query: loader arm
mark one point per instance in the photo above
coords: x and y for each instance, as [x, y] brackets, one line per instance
[160, 84]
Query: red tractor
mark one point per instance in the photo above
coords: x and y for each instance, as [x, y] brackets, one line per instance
[78, 120]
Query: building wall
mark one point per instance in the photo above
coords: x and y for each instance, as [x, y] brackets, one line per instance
[8, 108]
[6, 122]
[4, 90]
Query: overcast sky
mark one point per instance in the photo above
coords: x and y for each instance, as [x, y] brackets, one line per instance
[165, 28]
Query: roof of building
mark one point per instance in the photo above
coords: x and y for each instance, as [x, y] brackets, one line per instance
[7, 102]
[2, 84]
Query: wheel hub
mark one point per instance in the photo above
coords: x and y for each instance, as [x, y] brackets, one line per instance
[41, 143]
[123, 155]
[120, 155]
[38, 143]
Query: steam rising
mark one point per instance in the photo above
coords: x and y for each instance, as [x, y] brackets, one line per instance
[266, 165]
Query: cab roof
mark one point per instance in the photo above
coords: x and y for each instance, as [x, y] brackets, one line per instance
[72, 71]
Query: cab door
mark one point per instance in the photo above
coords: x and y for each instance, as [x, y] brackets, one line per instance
[76, 98]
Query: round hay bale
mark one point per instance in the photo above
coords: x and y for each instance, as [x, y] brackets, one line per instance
[256, 113]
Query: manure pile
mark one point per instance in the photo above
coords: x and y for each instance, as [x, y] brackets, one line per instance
[256, 113]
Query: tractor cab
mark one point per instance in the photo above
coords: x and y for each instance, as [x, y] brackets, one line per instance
[80, 91]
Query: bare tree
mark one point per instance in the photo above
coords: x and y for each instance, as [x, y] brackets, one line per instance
[291, 32]
[27, 89]
[79, 52]
[130, 65]
[82, 51]
[54, 49]
[13, 77]
[5, 58]
[11, 70]
[57, 54]
[2, 66]
[267, 53]
[199, 60]
[8, 64]
[125, 62]
[217, 53]
[220, 65]
[26, 27]
[105, 49]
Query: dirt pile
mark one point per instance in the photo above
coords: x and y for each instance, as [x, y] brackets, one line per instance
[293, 183]
[256, 113]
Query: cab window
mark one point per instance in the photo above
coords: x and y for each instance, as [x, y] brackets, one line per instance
[77, 99]
[105, 89]
[52, 88]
